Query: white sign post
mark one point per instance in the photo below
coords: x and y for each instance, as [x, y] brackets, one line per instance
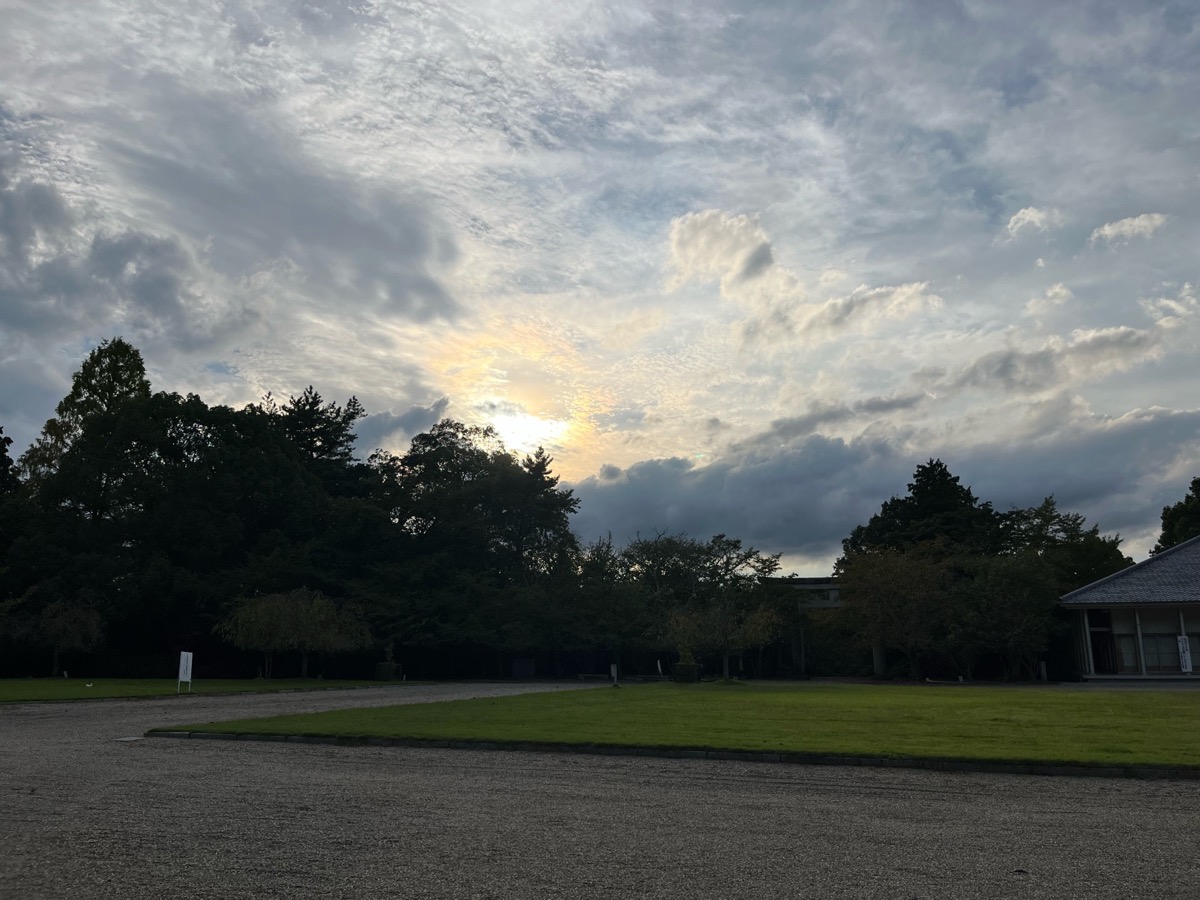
[185, 671]
[1185, 654]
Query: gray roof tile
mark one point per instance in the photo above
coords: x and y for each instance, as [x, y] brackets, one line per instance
[1172, 576]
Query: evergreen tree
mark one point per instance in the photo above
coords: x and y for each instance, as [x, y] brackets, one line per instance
[937, 508]
[1181, 520]
[112, 375]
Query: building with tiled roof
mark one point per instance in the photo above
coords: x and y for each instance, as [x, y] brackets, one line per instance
[1143, 621]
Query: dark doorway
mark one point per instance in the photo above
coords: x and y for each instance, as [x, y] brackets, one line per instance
[1104, 649]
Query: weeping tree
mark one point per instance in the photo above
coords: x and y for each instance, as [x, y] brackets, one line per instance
[300, 620]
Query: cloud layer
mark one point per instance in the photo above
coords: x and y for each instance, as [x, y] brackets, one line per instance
[741, 267]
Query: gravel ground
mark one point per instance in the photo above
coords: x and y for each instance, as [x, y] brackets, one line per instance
[86, 815]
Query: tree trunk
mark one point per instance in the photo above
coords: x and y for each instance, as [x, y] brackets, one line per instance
[54, 667]
[304, 664]
[725, 665]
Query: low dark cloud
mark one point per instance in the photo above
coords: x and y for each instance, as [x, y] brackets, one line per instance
[248, 190]
[790, 428]
[1085, 355]
[758, 261]
[391, 430]
[609, 472]
[801, 500]
[807, 495]
[1119, 472]
[56, 285]
[29, 211]
[1012, 369]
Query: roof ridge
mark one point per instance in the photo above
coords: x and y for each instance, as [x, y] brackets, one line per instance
[1136, 567]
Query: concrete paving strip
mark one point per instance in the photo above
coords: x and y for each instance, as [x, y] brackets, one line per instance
[1078, 770]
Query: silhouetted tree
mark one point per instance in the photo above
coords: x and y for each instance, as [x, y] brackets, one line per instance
[937, 508]
[939, 572]
[112, 375]
[485, 536]
[1181, 520]
[1073, 554]
[323, 434]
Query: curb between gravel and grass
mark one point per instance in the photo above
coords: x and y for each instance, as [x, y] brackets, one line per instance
[209, 694]
[1078, 770]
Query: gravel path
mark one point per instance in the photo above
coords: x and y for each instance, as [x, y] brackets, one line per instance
[85, 815]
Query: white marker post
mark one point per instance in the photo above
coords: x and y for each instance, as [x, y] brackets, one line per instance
[185, 671]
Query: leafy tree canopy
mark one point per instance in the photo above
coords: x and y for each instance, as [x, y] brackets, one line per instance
[939, 572]
[1181, 520]
[300, 620]
[709, 593]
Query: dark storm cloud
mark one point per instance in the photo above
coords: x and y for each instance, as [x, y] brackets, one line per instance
[223, 175]
[805, 497]
[390, 430]
[801, 500]
[609, 472]
[28, 210]
[54, 284]
[1119, 472]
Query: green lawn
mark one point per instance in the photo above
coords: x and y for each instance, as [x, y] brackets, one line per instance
[21, 690]
[1011, 724]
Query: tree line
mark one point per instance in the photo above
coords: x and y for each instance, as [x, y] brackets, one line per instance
[140, 523]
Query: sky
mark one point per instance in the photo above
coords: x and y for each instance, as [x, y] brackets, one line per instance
[739, 267]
